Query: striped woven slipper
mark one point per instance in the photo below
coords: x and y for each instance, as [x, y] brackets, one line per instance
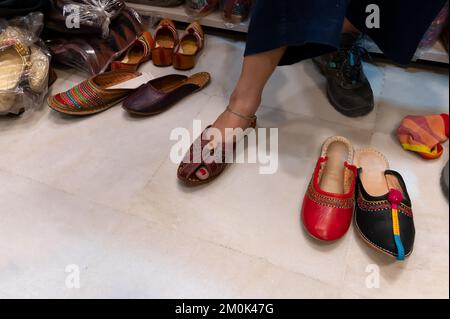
[94, 95]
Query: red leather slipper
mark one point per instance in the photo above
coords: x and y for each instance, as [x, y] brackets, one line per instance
[329, 201]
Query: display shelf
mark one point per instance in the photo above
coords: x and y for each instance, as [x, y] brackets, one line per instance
[437, 53]
[214, 20]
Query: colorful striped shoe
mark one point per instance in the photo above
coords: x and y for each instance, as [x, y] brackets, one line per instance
[383, 213]
[94, 95]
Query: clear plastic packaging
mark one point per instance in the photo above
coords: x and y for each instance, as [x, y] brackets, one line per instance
[201, 8]
[235, 11]
[94, 54]
[24, 64]
[83, 16]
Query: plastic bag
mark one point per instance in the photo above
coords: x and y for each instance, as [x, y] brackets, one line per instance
[235, 11]
[201, 8]
[94, 54]
[24, 64]
[83, 16]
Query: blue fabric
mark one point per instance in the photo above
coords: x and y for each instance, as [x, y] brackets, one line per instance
[312, 27]
[400, 248]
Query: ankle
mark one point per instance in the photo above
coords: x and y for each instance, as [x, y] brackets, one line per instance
[244, 103]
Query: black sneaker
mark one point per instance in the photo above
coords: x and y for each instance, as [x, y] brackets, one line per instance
[348, 89]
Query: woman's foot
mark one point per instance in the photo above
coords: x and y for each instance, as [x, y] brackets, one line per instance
[234, 117]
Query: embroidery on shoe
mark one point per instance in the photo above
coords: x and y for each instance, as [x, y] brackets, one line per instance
[381, 206]
[330, 201]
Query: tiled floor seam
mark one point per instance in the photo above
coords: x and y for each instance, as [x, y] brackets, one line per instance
[237, 251]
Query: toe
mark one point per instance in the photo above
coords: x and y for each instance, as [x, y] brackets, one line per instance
[202, 173]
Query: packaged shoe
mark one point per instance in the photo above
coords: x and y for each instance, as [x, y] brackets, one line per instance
[329, 201]
[383, 213]
[24, 64]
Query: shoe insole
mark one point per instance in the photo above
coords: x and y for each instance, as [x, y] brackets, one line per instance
[332, 179]
[188, 45]
[164, 39]
[11, 68]
[134, 55]
[374, 166]
[199, 79]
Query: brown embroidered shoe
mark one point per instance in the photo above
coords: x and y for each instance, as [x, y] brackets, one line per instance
[189, 48]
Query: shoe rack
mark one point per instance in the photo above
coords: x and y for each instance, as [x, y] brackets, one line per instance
[435, 54]
[214, 20]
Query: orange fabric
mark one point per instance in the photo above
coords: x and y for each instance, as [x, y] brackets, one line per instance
[424, 134]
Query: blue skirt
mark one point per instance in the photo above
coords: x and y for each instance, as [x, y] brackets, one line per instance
[310, 28]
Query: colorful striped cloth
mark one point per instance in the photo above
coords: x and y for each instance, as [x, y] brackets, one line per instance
[424, 134]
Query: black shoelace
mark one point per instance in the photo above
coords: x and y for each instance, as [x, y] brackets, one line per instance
[349, 63]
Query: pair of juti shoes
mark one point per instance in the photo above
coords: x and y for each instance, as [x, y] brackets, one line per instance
[345, 181]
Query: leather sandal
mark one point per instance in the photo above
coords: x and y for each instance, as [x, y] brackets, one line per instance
[160, 94]
[138, 53]
[166, 39]
[383, 214]
[94, 95]
[329, 201]
[191, 44]
[202, 147]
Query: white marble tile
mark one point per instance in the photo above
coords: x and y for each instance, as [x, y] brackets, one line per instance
[235, 210]
[412, 91]
[301, 89]
[101, 192]
[152, 262]
[107, 157]
[42, 230]
[120, 256]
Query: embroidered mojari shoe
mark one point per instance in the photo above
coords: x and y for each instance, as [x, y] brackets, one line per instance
[139, 52]
[383, 212]
[189, 48]
[94, 95]
[329, 201]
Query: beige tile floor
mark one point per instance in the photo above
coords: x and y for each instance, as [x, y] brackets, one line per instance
[101, 193]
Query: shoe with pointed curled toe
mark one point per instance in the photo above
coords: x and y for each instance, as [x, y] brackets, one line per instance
[139, 52]
[188, 50]
[383, 213]
[166, 39]
[329, 201]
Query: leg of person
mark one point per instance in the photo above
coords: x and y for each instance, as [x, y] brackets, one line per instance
[246, 97]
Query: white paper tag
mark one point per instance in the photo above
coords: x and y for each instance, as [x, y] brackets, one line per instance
[133, 83]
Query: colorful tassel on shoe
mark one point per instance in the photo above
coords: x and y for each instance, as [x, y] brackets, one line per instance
[395, 198]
